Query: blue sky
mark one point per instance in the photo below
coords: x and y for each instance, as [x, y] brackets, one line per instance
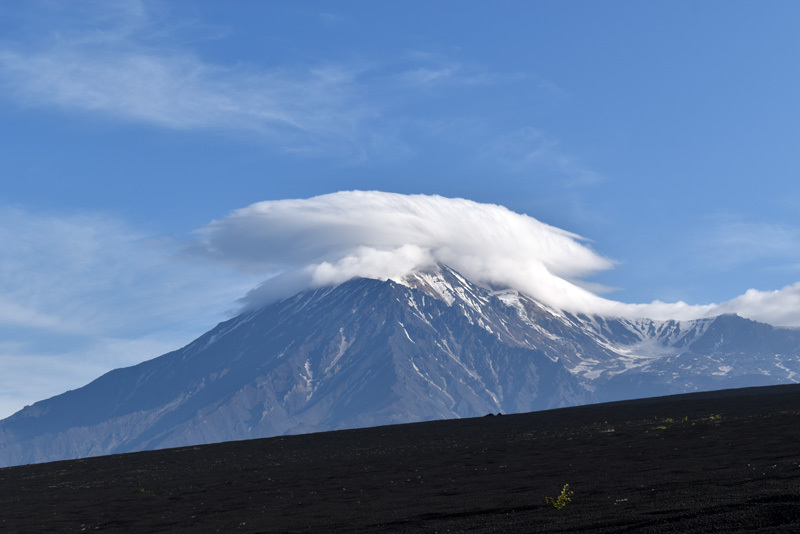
[666, 134]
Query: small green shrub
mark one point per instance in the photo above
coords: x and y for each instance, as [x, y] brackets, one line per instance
[562, 500]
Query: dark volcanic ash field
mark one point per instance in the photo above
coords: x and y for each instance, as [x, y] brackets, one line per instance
[724, 461]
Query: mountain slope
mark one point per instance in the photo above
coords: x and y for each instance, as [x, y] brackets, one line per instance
[360, 354]
[370, 352]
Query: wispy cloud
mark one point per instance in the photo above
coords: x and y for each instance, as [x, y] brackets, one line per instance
[121, 67]
[120, 61]
[15, 314]
[123, 60]
[430, 69]
[427, 75]
[446, 73]
[317, 108]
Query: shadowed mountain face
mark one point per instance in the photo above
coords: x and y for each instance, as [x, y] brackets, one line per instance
[368, 353]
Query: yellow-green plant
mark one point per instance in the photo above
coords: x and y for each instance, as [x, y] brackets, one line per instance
[562, 500]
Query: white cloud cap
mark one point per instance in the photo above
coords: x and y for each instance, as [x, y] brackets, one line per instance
[325, 240]
[331, 238]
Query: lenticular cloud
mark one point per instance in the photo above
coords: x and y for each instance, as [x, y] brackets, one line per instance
[325, 240]
[331, 238]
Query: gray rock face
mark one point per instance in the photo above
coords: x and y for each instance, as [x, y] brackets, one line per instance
[367, 353]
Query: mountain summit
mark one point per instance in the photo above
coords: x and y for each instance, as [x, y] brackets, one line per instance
[367, 352]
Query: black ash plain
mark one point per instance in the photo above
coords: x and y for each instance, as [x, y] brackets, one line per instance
[724, 461]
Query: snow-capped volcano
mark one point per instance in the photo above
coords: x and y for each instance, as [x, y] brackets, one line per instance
[612, 346]
[429, 345]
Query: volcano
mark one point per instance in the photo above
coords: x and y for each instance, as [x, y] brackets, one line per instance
[368, 352]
